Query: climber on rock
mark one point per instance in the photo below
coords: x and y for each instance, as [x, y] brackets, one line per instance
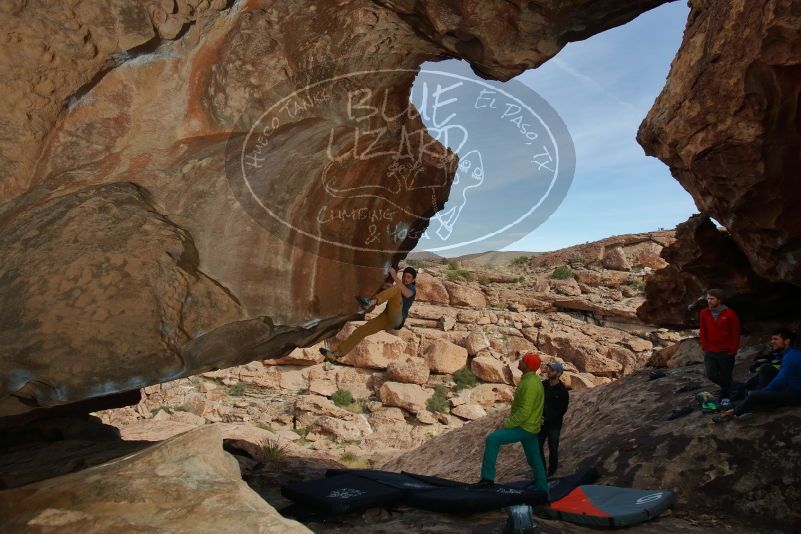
[783, 390]
[522, 425]
[399, 299]
[720, 340]
[557, 398]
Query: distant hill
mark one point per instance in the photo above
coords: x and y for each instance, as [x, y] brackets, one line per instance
[424, 256]
[493, 258]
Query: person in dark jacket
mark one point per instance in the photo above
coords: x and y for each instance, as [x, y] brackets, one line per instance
[556, 401]
[765, 368]
[783, 390]
[720, 340]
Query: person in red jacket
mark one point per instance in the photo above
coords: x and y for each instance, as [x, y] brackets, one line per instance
[720, 340]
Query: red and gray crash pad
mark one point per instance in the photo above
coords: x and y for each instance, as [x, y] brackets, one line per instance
[610, 506]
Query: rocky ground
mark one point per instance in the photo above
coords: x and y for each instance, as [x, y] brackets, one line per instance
[454, 361]
[408, 399]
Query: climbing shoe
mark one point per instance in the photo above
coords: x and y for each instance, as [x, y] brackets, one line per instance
[330, 356]
[366, 304]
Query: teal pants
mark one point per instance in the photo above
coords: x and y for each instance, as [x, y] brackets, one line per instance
[531, 446]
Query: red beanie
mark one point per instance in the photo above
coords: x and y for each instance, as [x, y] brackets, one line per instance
[533, 361]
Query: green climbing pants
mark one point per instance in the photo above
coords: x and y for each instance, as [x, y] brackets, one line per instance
[531, 446]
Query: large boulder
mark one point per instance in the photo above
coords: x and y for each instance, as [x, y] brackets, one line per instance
[146, 236]
[470, 412]
[705, 256]
[444, 357]
[489, 369]
[464, 295]
[431, 289]
[340, 430]
[375, 351]
[615, 259]
[185, 484]
[476, 342]
[410, 397]
[723, 114]
[409, 371]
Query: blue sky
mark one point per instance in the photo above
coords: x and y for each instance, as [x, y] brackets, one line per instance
[602, 88]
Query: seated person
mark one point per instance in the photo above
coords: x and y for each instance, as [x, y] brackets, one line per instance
[764, 368]
[783, 390]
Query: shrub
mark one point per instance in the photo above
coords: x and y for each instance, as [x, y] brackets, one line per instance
[357, 407]
[563, 272]
[237, 390]
[439, 401]
[519, 261]
[483, 281]
[415, 263]
[452, 265]
[272, 449]
[637, 283]
[157, 409]
[577, 258]
[464, 379]
[348, 457]
[342, 397]
[463, 274]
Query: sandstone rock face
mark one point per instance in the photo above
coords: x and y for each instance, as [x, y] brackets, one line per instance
[430, 289]
[489, 369]
[726, 126]
[462, 295]
[376, 351]
[411, 371]
[445, 357]
[353, 429]
[705, 257]
[188, 481]
[476, 342]
[307, 356]
[410, 397]
[616, 259]
[127, 92]
[681, 354]
[469, 411]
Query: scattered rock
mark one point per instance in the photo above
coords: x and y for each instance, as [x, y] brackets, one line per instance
[445, 357]
[410, 397]
[469, 411]
[410, 371]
